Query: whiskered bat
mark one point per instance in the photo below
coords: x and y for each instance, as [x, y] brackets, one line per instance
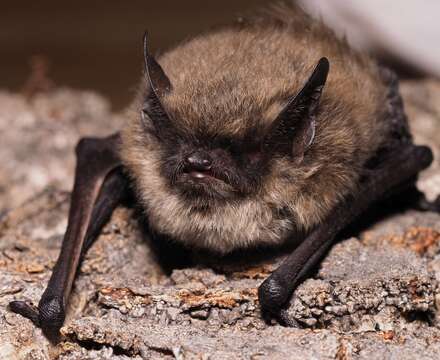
[266, 131]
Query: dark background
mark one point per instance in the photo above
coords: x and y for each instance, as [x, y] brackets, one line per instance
[98, 44]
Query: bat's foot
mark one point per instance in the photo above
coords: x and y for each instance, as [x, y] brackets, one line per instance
[49, 316]
[433, 206]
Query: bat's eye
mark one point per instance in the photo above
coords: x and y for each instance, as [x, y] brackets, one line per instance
[226, 144]
[229, 146]
[254, 156]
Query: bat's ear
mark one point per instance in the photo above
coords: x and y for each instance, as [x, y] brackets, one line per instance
[158, 85]
[154, 74]
[293, 130]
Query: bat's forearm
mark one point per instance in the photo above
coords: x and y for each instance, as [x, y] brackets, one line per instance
[78, 238]
[396, 168]
[100, 186]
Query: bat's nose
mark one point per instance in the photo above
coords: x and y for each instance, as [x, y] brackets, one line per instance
[199, 161]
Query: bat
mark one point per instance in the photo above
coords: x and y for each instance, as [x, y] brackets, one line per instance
[262, 132]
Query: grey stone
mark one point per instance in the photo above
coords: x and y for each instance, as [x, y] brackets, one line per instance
[39, 136]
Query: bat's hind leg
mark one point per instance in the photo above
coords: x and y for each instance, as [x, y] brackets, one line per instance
[423, 204]
[407, 195]
[100, 185]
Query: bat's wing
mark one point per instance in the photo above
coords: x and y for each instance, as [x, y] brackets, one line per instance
[100, 185]
[395, 168]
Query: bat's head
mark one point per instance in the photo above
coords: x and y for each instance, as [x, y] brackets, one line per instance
[206, 158]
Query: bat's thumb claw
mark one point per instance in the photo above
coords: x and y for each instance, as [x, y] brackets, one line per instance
[24, 309]
[49, 316]
[285, 320]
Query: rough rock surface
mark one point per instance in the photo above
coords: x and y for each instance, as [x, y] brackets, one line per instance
[39, 135]
[375, 295]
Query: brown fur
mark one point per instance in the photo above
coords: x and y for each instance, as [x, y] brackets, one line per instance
[238, 77]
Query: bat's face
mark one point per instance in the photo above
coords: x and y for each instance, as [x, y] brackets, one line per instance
[203, 157]
[212, 167]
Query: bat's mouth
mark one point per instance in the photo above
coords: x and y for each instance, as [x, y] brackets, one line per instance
[200, 175]
[204, 178]
[204, 183]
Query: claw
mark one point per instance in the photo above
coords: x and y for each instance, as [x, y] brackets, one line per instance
[24, 309]
[48, 317]
[285, 320]
[426, 205]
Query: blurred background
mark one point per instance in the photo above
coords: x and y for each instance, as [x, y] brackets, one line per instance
[97, 44]
[75, 46]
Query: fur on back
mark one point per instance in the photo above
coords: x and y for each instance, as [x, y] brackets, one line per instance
[240, 76]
